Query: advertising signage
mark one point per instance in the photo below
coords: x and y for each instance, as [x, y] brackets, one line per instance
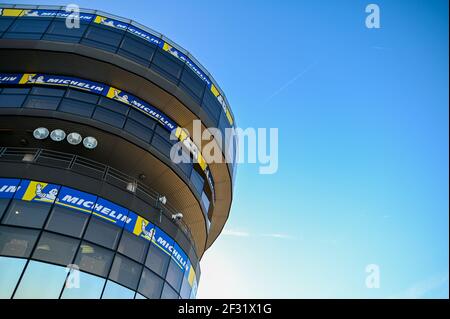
[85, 203]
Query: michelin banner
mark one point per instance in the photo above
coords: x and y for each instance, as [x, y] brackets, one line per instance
[81, 202]
[117, 95]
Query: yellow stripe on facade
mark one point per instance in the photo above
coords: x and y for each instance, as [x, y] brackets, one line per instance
[100, 215]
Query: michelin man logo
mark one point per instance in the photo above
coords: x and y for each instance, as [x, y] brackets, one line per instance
[31, 79]
[107, 23]
[31, 13]
[51, 195]
[148, 234]
[123, 98]
[1, 12]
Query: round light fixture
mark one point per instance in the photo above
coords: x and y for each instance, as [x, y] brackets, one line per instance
[90, 142]
[74, 138]
[57, 135]
[40, 133]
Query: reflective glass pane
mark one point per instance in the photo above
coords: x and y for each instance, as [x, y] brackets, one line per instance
[103, 233]
[7, 100]
[116, 291]
[150, 285]
[56, 248]
[17, 242]
[67, 221]
[157, 260]
[42, 102]
[90, 288]
[28, 214]
[38, 275]
[125, 271]
[168, 292]
[133, 246]
[11, 269]
[174, 275]
[94, 259]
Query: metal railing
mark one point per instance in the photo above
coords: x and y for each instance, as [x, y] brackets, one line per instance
[98, 171]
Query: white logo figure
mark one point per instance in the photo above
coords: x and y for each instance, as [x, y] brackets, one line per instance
[31, 79]
[108, 23]
[147, 233]
[1, 12]
[51, 195]
[30, 13]
[123, 98]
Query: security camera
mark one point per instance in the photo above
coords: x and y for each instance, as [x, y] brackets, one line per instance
[177, 216]
[162, 200]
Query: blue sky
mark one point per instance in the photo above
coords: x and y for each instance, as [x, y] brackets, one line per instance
[363, 142]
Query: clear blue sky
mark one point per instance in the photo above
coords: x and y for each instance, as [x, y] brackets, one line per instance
[363, 127]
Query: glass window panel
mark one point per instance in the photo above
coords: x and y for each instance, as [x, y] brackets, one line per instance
[205, 201]
[174, 275]
[41, 281]
[168, 292]
[42, 102]
[197, 180]
[105, 38]
[15, 91]
[55, 248]
[108, 117]
[7, 100]
[137, 50]
[192, 83]
[5, 22]
[133, 246]
[142, 119]
[150, 285]
[38, 90]
[125, 271]
[28, 214]
[90, 288]
[22, 35]
[167, 65]
[76, 107]
[67, 221]
[11, 269]
[157, 260]
[82, 96]
[102, 233]
[139, 296]
[17, 242]
[211, 105]
[29, 25]
[185, 291]
[58, 27]
[94, 259]
[162, 145]
[138, 130]
[116, 291]
[113, 105]
[3, 204]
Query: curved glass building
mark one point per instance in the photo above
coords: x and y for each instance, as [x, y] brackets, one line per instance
[92, 204]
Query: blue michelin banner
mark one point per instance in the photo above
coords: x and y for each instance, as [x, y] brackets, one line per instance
[76, 200]
[8, 186]
[79, 201]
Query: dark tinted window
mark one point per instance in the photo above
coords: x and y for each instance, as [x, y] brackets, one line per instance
[197, 180]
[7, 100]
[38, 90]
[58, 31]
[157, 260]
[133, 246]
[168, 293]
[55, 249]
[94, 259]
[174, 275]
[17, 242]
[211, 106]
[102, 233]
[138, 130]
[67, 221]
[28, 214]
[109, 117]
[105, 38]
[150, 285]
[167, 65]
[29, 25]
[42, 102]
[76, 107]
[125, 272]
[113, 105]
[192, 83]
[82, 96]
[15, 91]
[162, 145]
[142, 119]
[5, 22]
[137, 50]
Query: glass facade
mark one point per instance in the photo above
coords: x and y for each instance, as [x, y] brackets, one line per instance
[107, 111]
[66, 244]
[134, 42]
